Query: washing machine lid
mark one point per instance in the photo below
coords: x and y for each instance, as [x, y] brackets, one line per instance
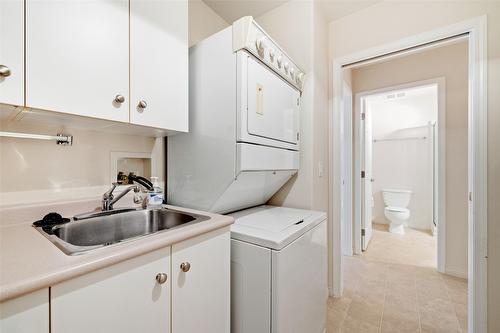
[273, 227]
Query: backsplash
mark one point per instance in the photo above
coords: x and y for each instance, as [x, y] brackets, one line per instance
[34, 171]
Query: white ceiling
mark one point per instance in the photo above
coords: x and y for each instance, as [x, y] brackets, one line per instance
[231, 10]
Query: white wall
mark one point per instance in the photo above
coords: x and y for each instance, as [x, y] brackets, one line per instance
[404, 164]
[203, 21]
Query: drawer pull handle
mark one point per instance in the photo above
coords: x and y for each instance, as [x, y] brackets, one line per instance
[4, 71]
[185, 267]
[119, 99]
[142, 105]
[161, 278]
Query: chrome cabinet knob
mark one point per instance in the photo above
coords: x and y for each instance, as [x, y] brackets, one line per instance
[161, 278]
[119, 99]
[142, 105]
[4, 71]
[185, 267]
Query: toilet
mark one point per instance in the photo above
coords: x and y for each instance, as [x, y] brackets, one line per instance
[396, 211]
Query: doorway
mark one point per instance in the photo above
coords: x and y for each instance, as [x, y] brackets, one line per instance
[474, 30]
[400, 153]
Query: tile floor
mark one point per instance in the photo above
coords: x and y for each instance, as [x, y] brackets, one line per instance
[394, 287]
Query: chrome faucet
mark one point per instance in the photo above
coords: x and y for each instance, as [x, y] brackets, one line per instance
[108, 199]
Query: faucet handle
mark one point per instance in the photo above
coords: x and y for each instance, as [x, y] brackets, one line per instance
[109, 193]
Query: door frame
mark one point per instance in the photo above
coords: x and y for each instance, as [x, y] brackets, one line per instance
[346, 194]
[440, 83]
[476, 29]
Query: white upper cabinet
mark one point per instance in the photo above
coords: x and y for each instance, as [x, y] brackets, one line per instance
[201, 284]
[117, 60]
[128, 297]
[77, 57]
[12, 52]
[159, 64]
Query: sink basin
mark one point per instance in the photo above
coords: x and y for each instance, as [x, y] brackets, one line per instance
[79, 236]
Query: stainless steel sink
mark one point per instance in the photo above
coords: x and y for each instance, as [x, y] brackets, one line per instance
[79, 236]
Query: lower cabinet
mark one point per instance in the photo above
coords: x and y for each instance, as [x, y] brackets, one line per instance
[28, 313]
[125, 298]
[184, 288]
[201, 284]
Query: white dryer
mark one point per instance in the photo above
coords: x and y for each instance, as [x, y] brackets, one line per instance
[244, 122]
[278, 271]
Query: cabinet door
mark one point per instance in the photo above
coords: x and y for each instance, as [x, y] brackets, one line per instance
[77, 57]
[28, 313]
[159, 64]
[124, 298]
[12, 52]
[200, 296]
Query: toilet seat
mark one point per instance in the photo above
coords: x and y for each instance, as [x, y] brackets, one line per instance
[397, 209]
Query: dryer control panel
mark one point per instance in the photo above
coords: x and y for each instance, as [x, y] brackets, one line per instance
[248, 35]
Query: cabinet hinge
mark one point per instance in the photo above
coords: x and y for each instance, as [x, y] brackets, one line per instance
[298, 101]
[363, 115]
[363, 232]
[470, 196]
[362, 174]
[298, 136]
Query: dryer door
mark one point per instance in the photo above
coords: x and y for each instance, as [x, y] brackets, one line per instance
[273, 107]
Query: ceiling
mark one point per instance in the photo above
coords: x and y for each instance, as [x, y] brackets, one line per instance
[231, 10]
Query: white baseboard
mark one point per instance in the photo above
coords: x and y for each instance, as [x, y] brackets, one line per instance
[456, 273]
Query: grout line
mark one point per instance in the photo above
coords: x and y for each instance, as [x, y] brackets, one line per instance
[418, 303]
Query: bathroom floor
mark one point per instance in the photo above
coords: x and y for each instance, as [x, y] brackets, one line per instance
[394, 287]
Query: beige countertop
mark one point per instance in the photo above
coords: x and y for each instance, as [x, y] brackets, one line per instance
[28, 261]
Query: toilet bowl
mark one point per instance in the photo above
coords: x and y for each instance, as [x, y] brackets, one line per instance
[396, 211]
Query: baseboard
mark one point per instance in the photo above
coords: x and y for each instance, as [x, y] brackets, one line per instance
[456, 273]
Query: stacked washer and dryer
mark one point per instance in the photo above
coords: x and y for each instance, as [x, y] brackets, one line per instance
[242, 147]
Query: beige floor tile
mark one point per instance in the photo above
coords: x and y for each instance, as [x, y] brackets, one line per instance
[354, 325]
[364, 310]
[400, 320]
[394, 287]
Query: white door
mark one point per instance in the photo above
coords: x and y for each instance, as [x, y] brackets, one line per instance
[201, 284]
[12, 52]
[299, 287]
[159, 64]
[367, 176]
[77, 57]
[125, 298]
[273, 105]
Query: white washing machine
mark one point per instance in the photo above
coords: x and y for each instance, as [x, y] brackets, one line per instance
[278, 271]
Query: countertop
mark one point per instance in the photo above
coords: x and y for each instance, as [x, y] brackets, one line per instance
[28, 261]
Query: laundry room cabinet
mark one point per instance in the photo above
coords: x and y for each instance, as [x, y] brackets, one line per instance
[159, 64]
[182, 288]
[28, 313]
[119, 60]
[12, 52]
[201, 278]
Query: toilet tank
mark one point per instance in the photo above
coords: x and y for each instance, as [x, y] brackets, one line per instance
[396, 198]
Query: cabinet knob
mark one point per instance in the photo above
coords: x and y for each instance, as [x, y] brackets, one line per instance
[185, 267]
[161, 278]
[4, 71]
[119, 99]
[142, 104]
